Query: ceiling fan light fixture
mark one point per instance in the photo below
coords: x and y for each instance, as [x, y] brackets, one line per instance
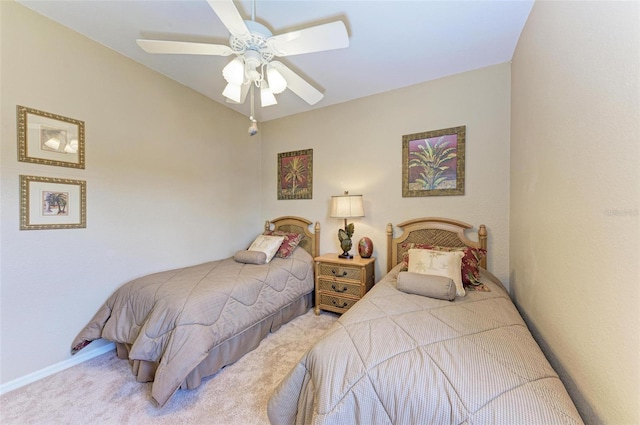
[277, 83]
[266, 95]
[233, 92]
[233, 72]
[255, 47]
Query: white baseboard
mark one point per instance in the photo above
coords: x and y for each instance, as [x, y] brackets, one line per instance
[83, 356]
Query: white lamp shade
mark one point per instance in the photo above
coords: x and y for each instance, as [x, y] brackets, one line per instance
[233, 72]
[347, 206]
[276, 81]
[266, 95]
[233, 92]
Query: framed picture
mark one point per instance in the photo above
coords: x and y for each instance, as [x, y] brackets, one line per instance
[295, 174]
[52, 203]
[433, 163]
[49, 139]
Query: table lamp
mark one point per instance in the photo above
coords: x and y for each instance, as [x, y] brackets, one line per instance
[346, 206]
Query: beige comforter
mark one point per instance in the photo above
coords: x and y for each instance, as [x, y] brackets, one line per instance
[176, 317]
[397, 358]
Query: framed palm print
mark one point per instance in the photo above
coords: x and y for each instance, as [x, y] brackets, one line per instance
[295, 174]
[52, 203]
[50, 139]
[433, 162]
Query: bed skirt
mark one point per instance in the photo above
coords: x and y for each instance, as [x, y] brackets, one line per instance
[226, 352]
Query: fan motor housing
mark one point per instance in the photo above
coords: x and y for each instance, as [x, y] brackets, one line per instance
[257, 41]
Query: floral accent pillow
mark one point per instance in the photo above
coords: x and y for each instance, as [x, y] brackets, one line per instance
[290, 242]
[470, 262]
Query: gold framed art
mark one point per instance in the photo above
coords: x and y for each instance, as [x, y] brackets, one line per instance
[50, 139]
[295, 174]
[52, 203]
[433, 162]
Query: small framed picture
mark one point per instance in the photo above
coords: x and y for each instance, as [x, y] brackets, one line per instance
[433, 162]
[52, 203]
[295, 174]
[49, 139]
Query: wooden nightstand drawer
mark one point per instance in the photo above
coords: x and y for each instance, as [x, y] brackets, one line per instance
[342, 272]
[339, 287]
[329, 302]
[341, 282]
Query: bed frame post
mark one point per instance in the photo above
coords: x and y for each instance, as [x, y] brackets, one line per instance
[389, 247]
[482, 238]
[316, 232]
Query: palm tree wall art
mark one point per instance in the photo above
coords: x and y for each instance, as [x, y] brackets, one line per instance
[295, 174]
[433, 163]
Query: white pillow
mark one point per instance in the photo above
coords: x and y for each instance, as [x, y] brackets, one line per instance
[267, 244]
[438, 263]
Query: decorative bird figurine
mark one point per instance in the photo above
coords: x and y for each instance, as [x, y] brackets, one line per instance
[345, 240]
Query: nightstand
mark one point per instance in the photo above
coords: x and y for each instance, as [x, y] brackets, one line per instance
[341, 282]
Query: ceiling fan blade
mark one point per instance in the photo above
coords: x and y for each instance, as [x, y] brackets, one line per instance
[184, 47]
[230, 17]
[298, 85]
[313, 39]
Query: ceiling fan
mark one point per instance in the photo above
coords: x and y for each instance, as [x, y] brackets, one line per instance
[254, 47]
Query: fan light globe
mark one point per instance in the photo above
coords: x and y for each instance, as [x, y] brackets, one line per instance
[233, 92]
[266, 95]
[233, 72]
[277, 83]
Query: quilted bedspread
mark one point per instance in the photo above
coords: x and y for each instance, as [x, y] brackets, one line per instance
[176, 317]
[397, 358]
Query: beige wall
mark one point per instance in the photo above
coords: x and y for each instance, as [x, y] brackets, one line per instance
[575, 155]
[158, 161]
[357, 146]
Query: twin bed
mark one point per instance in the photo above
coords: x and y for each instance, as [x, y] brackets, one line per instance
[400, 355]
[179, 326]
[397, 357]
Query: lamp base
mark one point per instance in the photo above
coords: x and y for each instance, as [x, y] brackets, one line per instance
[346, 255]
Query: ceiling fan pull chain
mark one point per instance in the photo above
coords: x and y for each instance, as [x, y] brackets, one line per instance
[252, 111]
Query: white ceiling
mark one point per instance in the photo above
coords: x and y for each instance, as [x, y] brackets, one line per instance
[393, 43]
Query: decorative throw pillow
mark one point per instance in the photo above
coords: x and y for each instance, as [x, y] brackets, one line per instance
[470, 262]
[290, 242]
[250, 257]
[471, 265]
[267, 244]
[438, 263]
[411, 245]
[440, 287]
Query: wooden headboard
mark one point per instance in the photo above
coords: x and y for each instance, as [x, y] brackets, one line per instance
[310, 242]
[433, 231]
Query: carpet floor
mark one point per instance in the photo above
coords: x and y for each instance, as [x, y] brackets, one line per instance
[104, 391]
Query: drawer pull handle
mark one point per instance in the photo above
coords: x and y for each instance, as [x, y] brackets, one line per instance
[344, 304]
[344, 273]
[339, 290]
